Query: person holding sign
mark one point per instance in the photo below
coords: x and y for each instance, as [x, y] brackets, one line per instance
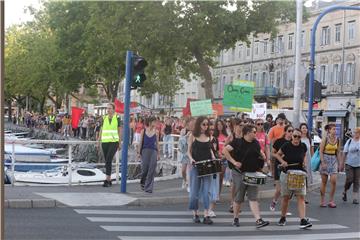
[247, 158]
[199, 150]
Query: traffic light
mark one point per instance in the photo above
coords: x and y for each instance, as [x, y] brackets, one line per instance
[318, 87]
[138, 76]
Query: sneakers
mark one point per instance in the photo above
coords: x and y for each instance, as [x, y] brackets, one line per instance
[272, 206]
[207, 220]
[261, 223]
[196, 219]
[282, 221]
[304, 223]
[142, 186]
[107, 183]
[212, 214]
[183, 186]
[231, 209]
[355, 201]
[188, 189]
[344, 196]
[236, 222]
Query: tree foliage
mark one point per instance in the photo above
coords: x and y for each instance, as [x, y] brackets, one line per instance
[75, 43]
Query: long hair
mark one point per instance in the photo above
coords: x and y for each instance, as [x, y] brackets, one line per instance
[197, 127]
[308, 133]
[286, 128]
[327, 130]
[216, 130]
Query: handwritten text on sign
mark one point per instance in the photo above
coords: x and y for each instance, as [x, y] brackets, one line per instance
[201, 108]
[239, 95]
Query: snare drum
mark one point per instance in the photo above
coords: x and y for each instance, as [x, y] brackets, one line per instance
[208, 167]
[296, 179]
[254, 178]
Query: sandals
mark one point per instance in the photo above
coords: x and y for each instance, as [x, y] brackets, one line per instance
[332, 204]
[323, 205]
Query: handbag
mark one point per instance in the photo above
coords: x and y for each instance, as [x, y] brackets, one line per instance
[315, 161]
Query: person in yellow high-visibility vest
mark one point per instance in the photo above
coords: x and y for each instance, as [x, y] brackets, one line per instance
[52, 122]
[110, 139]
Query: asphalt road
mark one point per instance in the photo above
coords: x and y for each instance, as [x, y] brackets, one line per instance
[174, 222]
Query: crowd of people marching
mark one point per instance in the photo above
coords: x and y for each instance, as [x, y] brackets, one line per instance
[238, 152]
[242, 152]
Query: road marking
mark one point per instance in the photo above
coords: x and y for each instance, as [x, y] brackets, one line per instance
[183, 220]
[320, 236]
[163, 213]
[214, 228]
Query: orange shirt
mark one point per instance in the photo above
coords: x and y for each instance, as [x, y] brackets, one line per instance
[276, 133]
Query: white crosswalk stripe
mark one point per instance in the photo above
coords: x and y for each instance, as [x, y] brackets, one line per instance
[177, 225]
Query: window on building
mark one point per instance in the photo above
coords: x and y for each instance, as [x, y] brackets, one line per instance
[254, 79]
[240, 51]
[272, 42]
[290, 41]
[263, 82]
[338, 32]
[246, 76]
[238, 77]
[271, 78]
[336, 74]
[325, 36]
[232, 54]
[323, 79]
[351, 30]
[265, 44]
[278, 79]
[280, 44]
[247, 51]
[256, 48]
[302, 39]
[350, 73]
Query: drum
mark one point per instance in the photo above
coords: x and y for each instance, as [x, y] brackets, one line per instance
[208, 167]
[254, 178]
[296, 179]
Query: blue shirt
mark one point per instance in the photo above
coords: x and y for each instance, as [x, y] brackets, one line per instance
[353, 152]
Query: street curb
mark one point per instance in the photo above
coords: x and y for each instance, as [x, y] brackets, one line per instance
[139, 202]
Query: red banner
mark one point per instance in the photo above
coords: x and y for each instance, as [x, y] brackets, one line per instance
[119, 106]
[218, 108]
[186, 110]
[76, 115]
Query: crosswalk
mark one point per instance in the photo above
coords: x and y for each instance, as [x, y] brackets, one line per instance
[177, 225]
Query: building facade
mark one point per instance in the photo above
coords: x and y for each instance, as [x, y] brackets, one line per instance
[269, 62]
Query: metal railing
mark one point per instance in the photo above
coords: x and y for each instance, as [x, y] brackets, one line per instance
[69, 164]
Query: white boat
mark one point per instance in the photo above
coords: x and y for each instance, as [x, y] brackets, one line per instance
[61, 176]
[26, 154]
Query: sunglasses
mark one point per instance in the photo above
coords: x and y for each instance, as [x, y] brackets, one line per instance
[259, 124]
[290, 131]
[296, 136]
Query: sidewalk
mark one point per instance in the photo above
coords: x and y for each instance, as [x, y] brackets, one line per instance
[166, 191]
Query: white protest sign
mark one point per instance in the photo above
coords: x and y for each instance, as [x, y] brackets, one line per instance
[258, 111]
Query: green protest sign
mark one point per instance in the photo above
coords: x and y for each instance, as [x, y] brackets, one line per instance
[239, 96]
[201, 108]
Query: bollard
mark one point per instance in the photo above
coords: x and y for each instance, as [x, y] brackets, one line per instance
[69, 165]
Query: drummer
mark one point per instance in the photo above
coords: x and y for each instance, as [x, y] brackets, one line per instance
[292, 157]
[245, 157]
[199, 150]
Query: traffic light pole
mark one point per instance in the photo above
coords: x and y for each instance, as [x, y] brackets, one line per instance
[126, 128]
[312, 59]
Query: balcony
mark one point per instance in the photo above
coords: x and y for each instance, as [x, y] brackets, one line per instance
[266, 92]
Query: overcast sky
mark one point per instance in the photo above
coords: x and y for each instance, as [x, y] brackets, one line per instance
[14, 10]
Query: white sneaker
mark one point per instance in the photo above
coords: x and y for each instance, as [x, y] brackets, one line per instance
[165, 156]
[188, 189]
[183, 186]
[228, 183]
[212, 214]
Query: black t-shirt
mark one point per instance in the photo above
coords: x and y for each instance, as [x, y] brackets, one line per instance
[294, 154]
[248, 153]
[279, 143]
